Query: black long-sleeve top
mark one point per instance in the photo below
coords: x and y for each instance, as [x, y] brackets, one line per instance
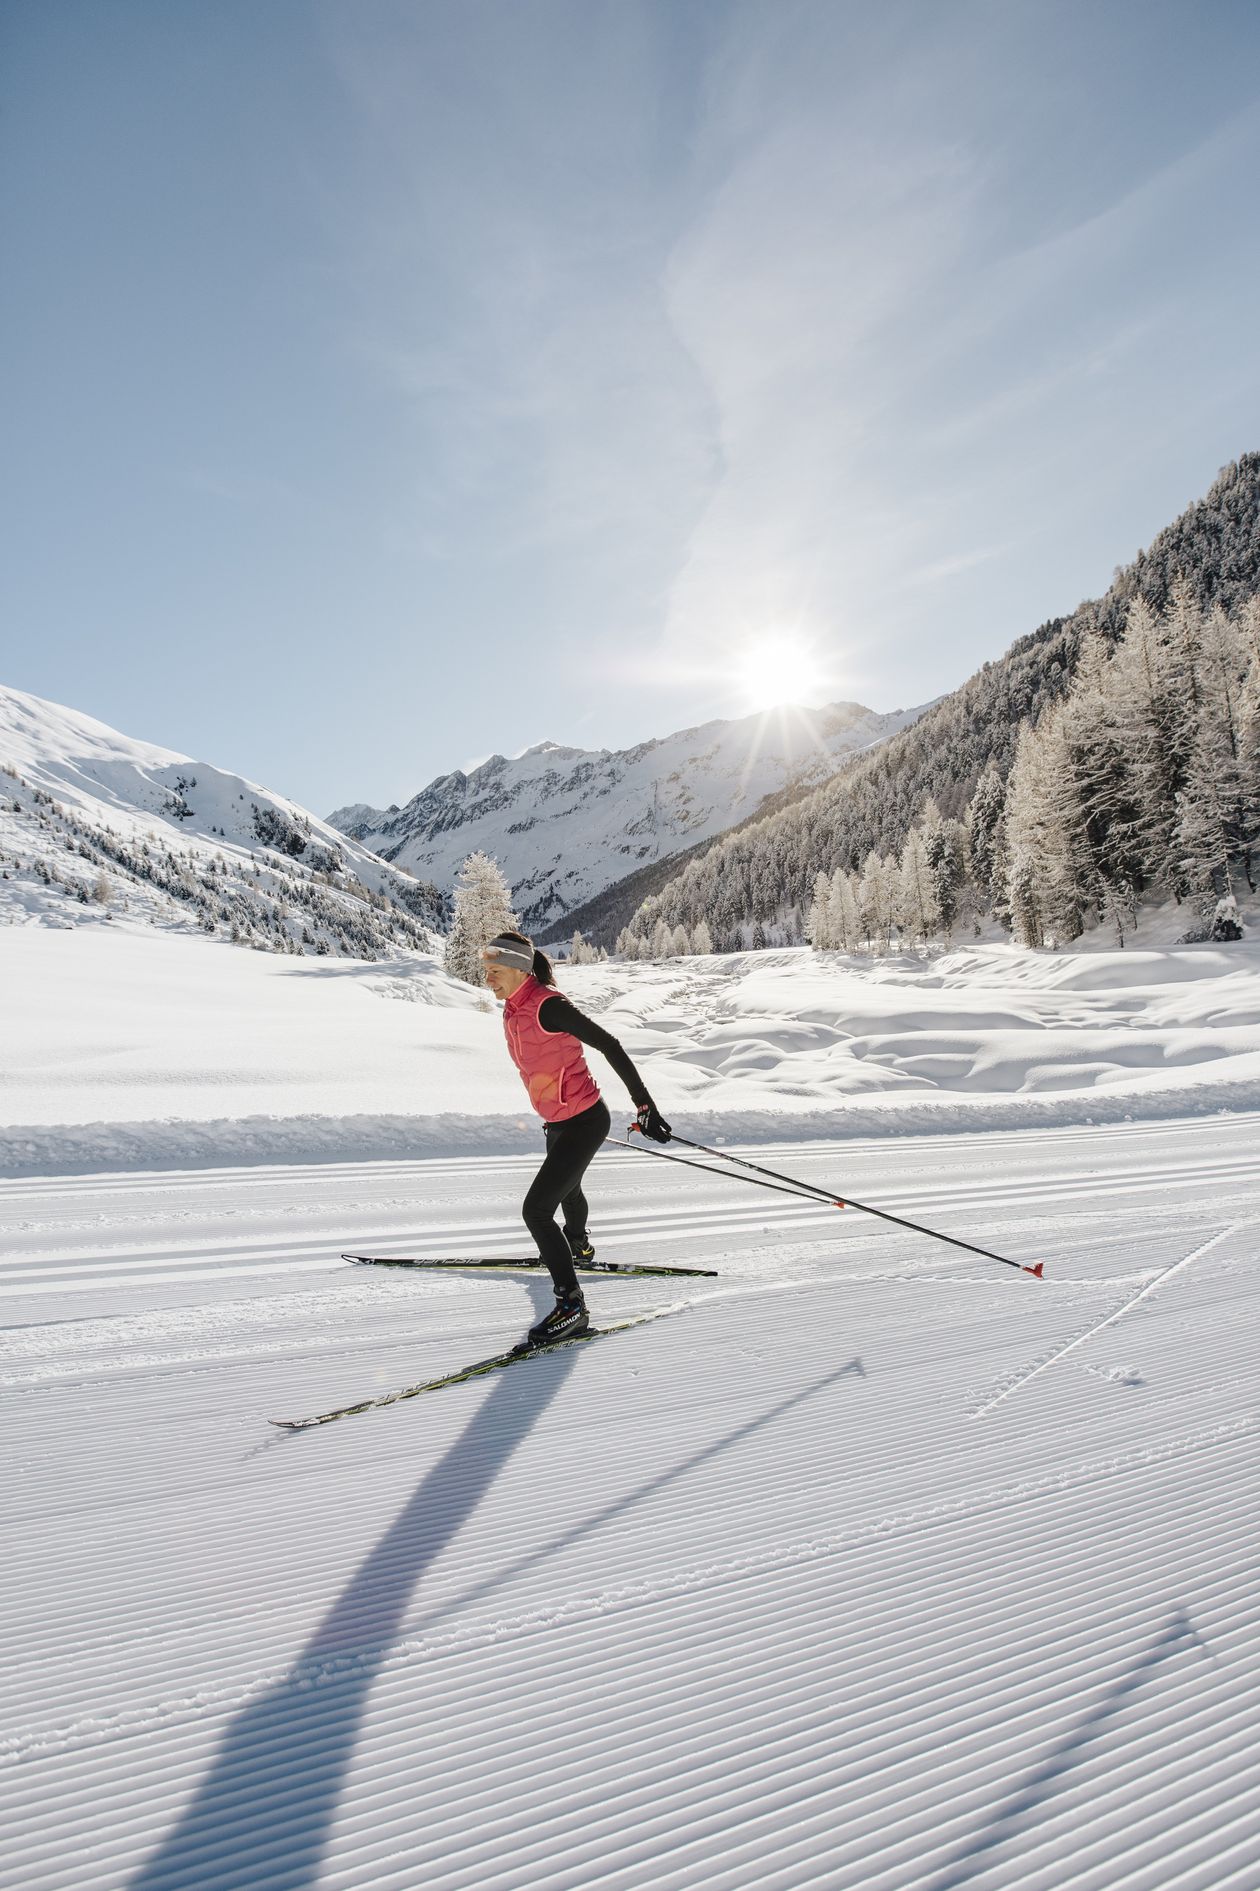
[557, 1014]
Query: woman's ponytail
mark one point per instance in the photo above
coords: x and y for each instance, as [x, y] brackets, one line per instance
[542, 968]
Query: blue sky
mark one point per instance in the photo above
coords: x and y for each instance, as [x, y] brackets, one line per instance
[393, 382]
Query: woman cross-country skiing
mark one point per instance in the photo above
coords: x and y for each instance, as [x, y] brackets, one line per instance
[545, 1035]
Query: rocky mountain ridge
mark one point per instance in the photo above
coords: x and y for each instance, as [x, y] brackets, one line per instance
[564, 823]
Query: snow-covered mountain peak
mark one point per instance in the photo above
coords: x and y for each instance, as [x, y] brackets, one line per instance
[565, 822]
[89, 815]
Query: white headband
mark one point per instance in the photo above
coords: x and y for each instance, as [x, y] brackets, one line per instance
[510, 952]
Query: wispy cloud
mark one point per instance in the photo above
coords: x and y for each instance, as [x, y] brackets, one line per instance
[812, 354]
[952, 567]
[512, 281]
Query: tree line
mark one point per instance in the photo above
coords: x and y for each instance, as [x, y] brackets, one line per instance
[1140, 781]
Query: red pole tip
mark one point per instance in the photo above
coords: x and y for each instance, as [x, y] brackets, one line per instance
[1036, 1270]
[838, 1204]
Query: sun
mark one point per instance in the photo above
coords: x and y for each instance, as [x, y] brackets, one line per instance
[778, 669]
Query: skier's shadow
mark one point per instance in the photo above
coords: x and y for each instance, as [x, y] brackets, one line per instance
[262, 1814]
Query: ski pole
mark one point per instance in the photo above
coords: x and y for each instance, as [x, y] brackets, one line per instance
[821, 1194]
[707, 1168]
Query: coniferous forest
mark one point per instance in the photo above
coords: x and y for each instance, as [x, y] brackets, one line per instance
[1110, 758]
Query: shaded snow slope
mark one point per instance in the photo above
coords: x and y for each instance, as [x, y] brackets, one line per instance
[92, 816]
[770, 1593]
[564, 823]
[130, 1048]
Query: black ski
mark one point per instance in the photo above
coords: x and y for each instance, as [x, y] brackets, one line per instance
[515, 1356]
[507, 1265]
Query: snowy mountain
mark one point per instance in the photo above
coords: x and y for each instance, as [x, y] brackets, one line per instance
[94, 823]
[564, 823]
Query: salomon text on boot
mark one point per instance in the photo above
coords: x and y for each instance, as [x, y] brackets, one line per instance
[567, 1320]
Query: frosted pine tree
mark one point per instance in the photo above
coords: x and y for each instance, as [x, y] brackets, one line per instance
[1204, 838]
[1249, 754]
[818, 918]
[483, 907]
[1212, 841]
[1023, 822]
[702, 938]
[944, 842]
[915, 904]
[1150, 715]
[1249, 721]
[1225, 668]
[875, 901]
[986, 842]
[1049, 883]
[1108, 844]
[844, 919]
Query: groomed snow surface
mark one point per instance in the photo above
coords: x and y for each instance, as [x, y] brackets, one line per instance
[871, 1566]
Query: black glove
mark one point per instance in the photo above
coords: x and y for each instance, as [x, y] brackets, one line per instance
[653, 1124]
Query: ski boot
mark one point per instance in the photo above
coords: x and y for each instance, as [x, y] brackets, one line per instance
[580, 1246]
[567, 1320]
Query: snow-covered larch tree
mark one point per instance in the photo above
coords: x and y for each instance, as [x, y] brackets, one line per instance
[915, 904]
[702, 938]
[1098, 798]
[1048, 879]
[843, 918]
[818, 918]
[875, 900]
[483, 907]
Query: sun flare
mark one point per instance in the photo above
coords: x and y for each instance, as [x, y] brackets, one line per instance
[777, 670]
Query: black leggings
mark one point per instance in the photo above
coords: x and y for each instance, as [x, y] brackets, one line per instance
[570, 1146]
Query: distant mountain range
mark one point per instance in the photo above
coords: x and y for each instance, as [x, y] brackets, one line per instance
[95, 824]
[565, 823]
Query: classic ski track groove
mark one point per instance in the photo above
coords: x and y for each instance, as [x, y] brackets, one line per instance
[794, 1628]
[486, 1635]
[644, 1229]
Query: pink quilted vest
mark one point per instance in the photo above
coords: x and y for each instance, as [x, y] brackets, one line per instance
[552, 1065]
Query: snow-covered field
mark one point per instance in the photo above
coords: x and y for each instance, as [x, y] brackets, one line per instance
[872, 1566]
[129, 1047]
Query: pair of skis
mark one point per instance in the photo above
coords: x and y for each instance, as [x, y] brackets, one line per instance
[515, 1355]
[763, 1178]
[506, 1264]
